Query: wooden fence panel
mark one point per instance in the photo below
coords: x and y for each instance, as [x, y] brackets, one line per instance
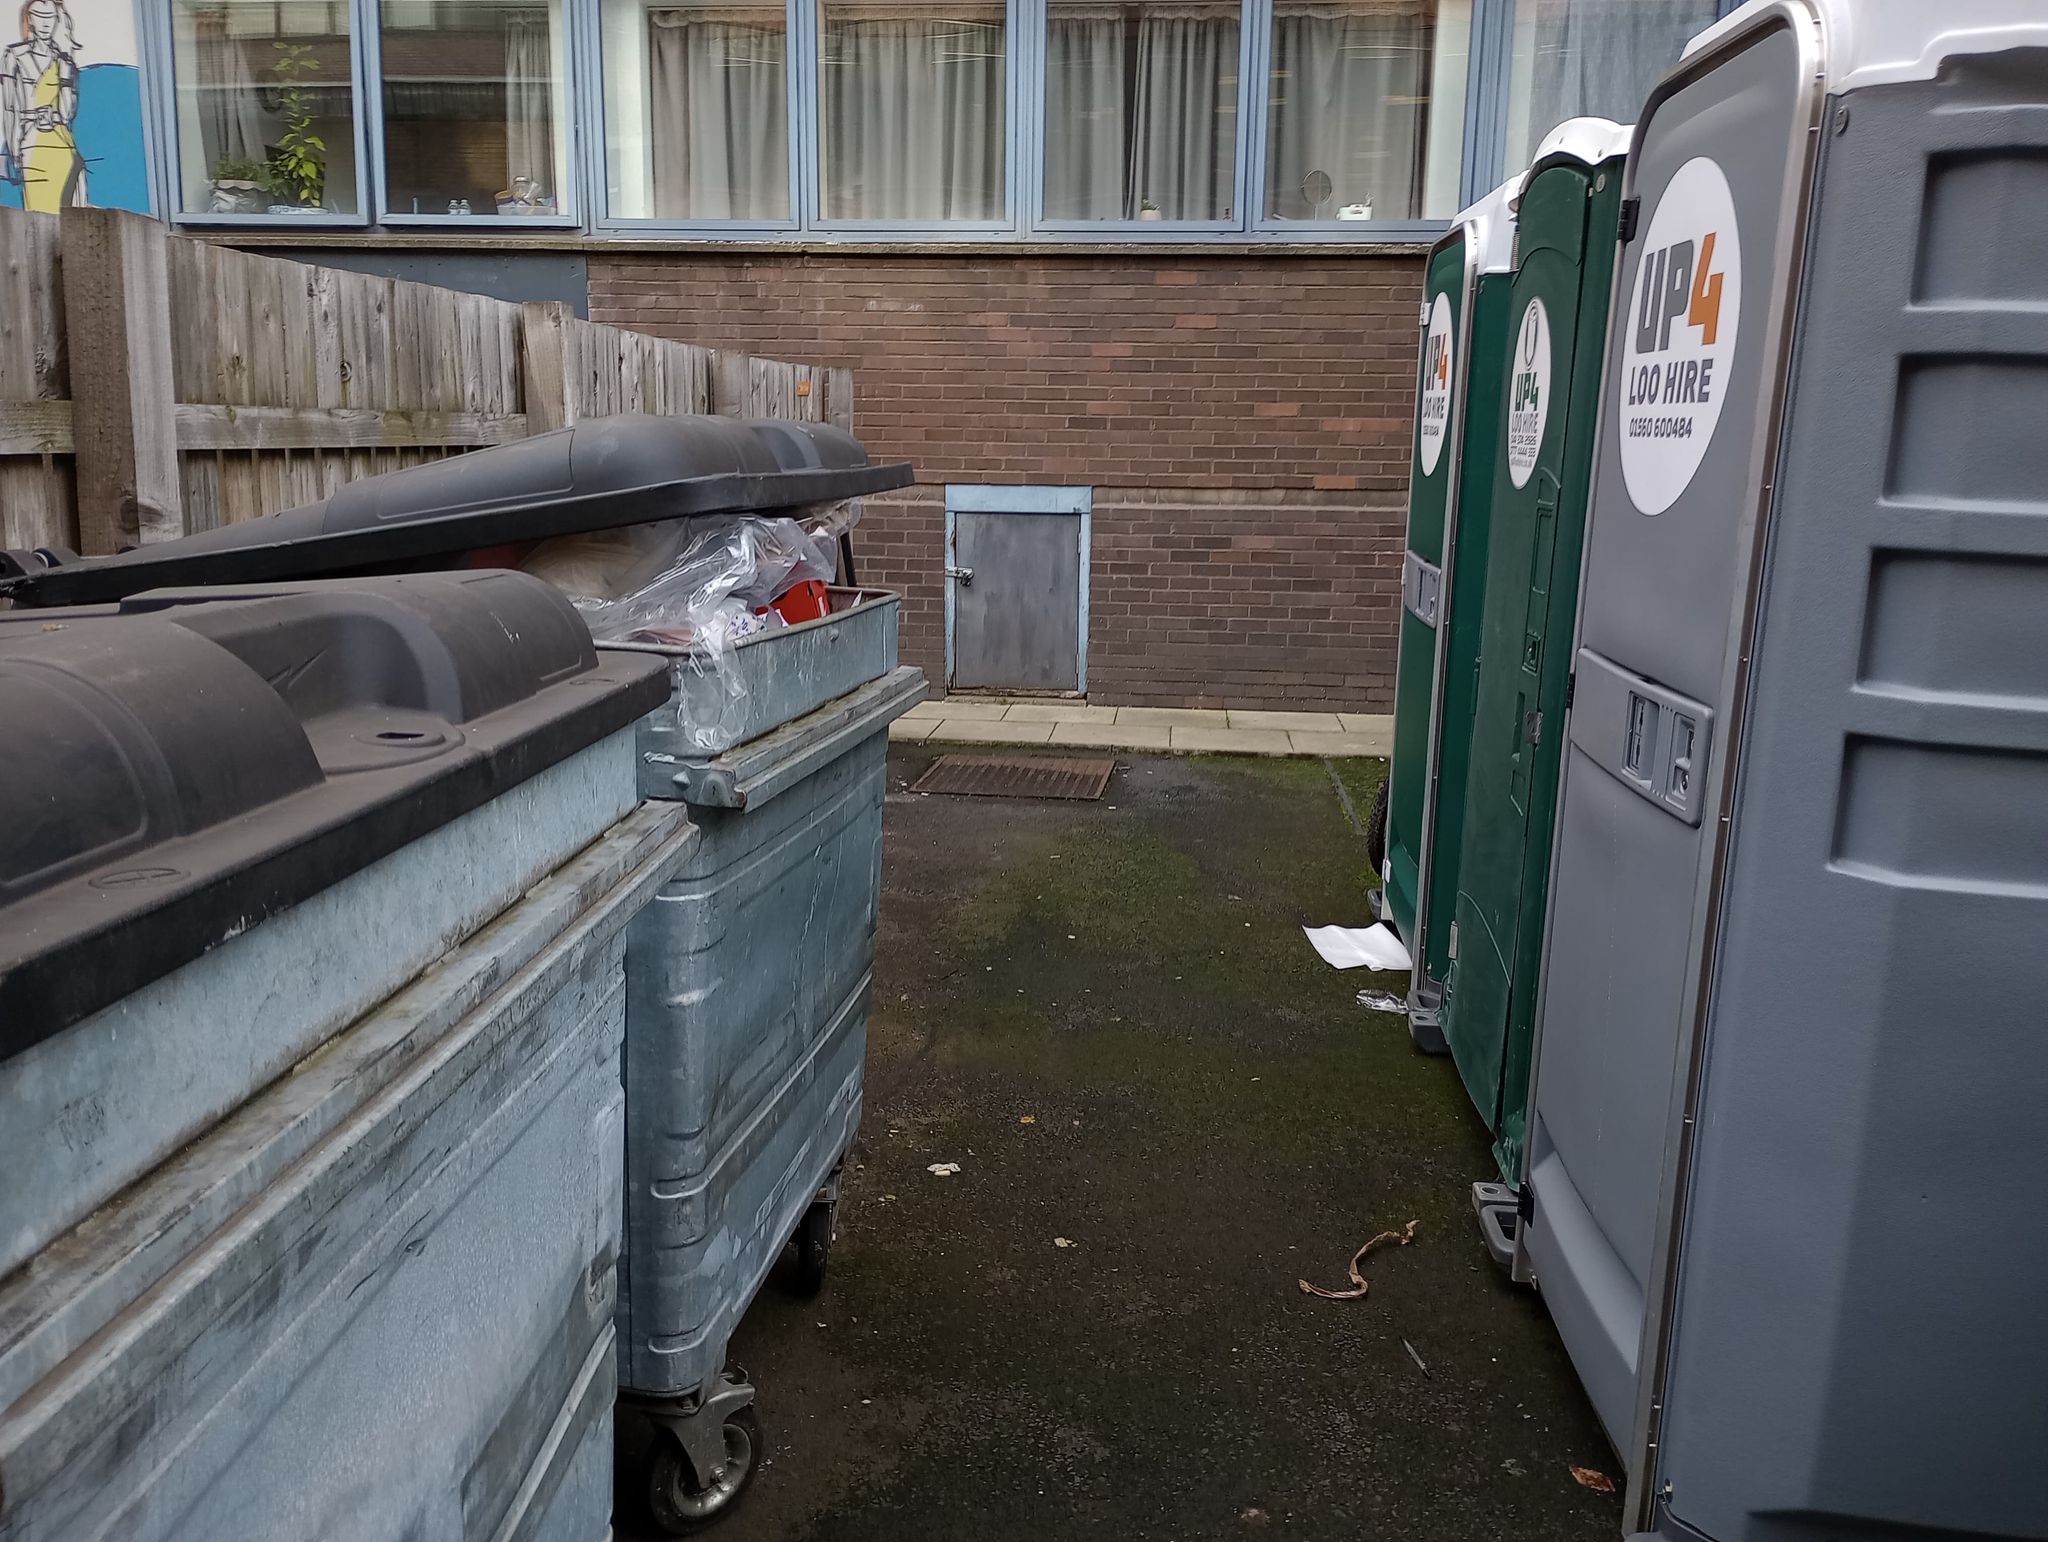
[219, 385]
[36, 480]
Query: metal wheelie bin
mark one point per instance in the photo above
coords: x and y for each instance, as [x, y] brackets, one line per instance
[1413, 829]
[1548, 390]
[748, 977]
[747, 1015]
[1790, 1065]
[313, 917]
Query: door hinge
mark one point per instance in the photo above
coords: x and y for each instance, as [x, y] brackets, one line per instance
[1571, 689]
[1631, 214]
[1533, 726]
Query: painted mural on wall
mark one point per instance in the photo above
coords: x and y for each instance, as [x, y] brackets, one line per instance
[71, 108]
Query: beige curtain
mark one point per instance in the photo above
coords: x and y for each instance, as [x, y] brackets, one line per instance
[913, 117]
[716, 85]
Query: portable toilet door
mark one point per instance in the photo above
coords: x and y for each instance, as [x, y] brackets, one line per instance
[1548, 390]
[1464, 313]
[1790, 1061]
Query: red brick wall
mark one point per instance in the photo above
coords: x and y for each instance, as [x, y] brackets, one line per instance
[1243, 419]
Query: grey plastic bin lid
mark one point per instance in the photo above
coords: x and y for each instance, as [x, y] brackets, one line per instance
[598, 475]
[178, 767]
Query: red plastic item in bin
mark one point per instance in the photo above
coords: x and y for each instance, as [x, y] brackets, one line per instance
[805, 600]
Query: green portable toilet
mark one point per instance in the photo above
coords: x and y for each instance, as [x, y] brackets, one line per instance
[1415, 830]
[1544, 422]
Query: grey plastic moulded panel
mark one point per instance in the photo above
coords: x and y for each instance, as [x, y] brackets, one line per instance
[1856, 1344]
[748, 983]
[1660, 596]
[1790, 1062]
[375, 1300]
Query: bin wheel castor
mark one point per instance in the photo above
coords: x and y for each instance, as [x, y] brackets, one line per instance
[814, 1247]
[1376, 827]
[678, 1503]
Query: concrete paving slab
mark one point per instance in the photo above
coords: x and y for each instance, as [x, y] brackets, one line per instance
[1114, 736]
[964, 708]
[1231, 741]
[1343, 744]
[1287, 722]
[1175, 717]
[981, 731]
[1058, 712]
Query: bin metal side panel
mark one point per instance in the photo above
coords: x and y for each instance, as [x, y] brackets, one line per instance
[1432, 471]
[781, 675]
[1857, 1336]
[1689, 383]
[124, 1089]
[406, 1332]
[738, 975]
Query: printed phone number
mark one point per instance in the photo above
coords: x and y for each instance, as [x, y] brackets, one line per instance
[1660, 428]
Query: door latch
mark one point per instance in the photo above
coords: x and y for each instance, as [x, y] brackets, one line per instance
[965, 575]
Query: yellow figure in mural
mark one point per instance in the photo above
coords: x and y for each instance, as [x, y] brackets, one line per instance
[38, 104]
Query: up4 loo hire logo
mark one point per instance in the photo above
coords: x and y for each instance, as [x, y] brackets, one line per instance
[1433, 413]
[1681, 327]
[1528, 391]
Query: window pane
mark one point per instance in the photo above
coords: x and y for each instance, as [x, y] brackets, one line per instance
[473, 103]
[1597, 58]
[911, 121]
[1366, 108]
[266, 112]
[1140, 110]
[697, 110]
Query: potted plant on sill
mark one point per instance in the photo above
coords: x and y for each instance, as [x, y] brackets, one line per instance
[1148, 210]
[239, 186]
[296, 172]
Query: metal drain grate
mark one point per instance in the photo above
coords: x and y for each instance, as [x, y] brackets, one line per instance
[1017, 776]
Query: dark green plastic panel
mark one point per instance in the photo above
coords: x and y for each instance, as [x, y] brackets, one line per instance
[1567, 243]
[1415, 670]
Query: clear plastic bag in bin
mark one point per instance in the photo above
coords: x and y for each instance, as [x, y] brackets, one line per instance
[698, 585]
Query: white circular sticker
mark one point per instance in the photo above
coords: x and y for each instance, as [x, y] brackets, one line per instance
[1528, 392]
[1433, 413]
[1681, 325]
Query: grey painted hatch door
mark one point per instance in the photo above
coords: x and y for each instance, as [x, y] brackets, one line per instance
[1017, 580]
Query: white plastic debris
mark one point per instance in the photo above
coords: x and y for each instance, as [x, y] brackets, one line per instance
[943, 1169]
[1383, 1001]
[1358, 947]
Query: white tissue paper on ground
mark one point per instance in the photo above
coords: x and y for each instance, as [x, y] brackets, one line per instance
[1358, 947]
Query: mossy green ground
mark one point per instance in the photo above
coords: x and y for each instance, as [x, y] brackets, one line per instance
[1107, 1015]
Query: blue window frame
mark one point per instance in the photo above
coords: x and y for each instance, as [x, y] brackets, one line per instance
[972, 121]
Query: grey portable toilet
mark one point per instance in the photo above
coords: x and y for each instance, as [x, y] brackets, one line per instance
[1791, 1057]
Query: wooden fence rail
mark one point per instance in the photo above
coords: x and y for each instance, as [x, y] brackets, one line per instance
[152, 385]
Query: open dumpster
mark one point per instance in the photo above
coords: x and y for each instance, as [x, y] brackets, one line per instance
[1790, 1059]
[748, 977]
[1547, 389]
[312, 1223]
[1416, 822]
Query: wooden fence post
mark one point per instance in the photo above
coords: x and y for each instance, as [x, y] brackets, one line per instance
[552, 398]
[838, 410]
[124, 427]
[732, 384]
